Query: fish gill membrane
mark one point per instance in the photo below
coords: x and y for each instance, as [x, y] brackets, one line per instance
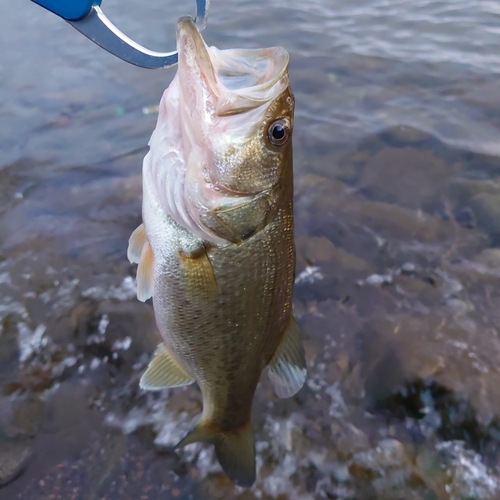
[216, 250]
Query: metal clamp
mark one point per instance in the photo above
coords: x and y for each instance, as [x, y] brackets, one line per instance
[88, 18]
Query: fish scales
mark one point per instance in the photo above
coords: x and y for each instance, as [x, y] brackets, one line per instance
[215, 250]
[225, 338]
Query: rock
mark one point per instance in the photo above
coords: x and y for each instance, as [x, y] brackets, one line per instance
[28, 415]
[391, 453]
[336, 202]
[404, 134]
[395, 222]
[476, 202]
[20, 417]
[318, 250]
[388, 453]
[311, 183]
[486, 208]
[387, 467]
[14, 458]
[8, 332]
[490, 258]
[295, 438]
[484, 94]
[130, 320]
[348, 439]
[406, 176]
[393, 352]
[468, 476]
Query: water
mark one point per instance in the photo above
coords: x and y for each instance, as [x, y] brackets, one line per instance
[398, 229]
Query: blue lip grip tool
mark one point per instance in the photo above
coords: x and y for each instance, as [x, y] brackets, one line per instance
[88, 18]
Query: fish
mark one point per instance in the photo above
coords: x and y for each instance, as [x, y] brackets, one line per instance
[215, 250]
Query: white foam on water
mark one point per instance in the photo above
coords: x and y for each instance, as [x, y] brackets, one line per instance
[127, 290]
[29, 341]
[122, 345]
[310, 274]
[470, 478]
[103, 324]
[5, 279]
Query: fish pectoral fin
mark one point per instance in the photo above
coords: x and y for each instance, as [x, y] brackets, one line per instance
[287, 369]
[164, 372]
[235, 450]
[135, 244]
[139, 252]
[145, 273]
[199, 273]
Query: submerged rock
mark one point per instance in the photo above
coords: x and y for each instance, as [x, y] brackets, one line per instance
[396, 297]
[406, 176]
[14, 458]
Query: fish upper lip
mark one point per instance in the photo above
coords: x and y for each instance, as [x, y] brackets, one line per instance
[193, 51]
[196, 55]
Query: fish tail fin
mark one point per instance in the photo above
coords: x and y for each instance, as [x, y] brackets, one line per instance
[235, 450]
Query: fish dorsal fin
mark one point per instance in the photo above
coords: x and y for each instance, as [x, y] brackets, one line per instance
[135, 244]
[287, 369]
[145, 273]
[164, 372]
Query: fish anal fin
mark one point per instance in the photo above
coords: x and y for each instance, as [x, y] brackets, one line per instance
[287, 369]
[164, 372]
[135, 244]
[199, 273]
[145, 273]
[235, 450]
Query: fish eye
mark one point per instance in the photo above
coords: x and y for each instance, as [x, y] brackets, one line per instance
[278, 132]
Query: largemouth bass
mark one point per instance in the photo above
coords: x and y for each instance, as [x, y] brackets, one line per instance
[216, 250]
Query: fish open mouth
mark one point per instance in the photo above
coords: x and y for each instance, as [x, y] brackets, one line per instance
[209, 156]
[237, 80]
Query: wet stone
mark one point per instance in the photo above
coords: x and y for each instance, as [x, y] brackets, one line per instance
[348, 439]
[14, 458]
[405, 134]
[396, 294]
[387, 453]
[468, 476]
[484, 94]
[8, 337]
[409, 177]
[486, 209]
[490, 258]
[320, 250]
[475, 204]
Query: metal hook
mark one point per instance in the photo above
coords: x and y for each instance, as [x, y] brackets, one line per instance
[98, 28]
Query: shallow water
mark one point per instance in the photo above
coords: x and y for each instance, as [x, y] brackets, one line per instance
[398, 236]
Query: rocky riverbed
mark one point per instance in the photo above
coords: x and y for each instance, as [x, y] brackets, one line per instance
[396, 297]
[398, 238]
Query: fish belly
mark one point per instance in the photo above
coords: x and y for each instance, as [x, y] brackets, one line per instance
[224, 335]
